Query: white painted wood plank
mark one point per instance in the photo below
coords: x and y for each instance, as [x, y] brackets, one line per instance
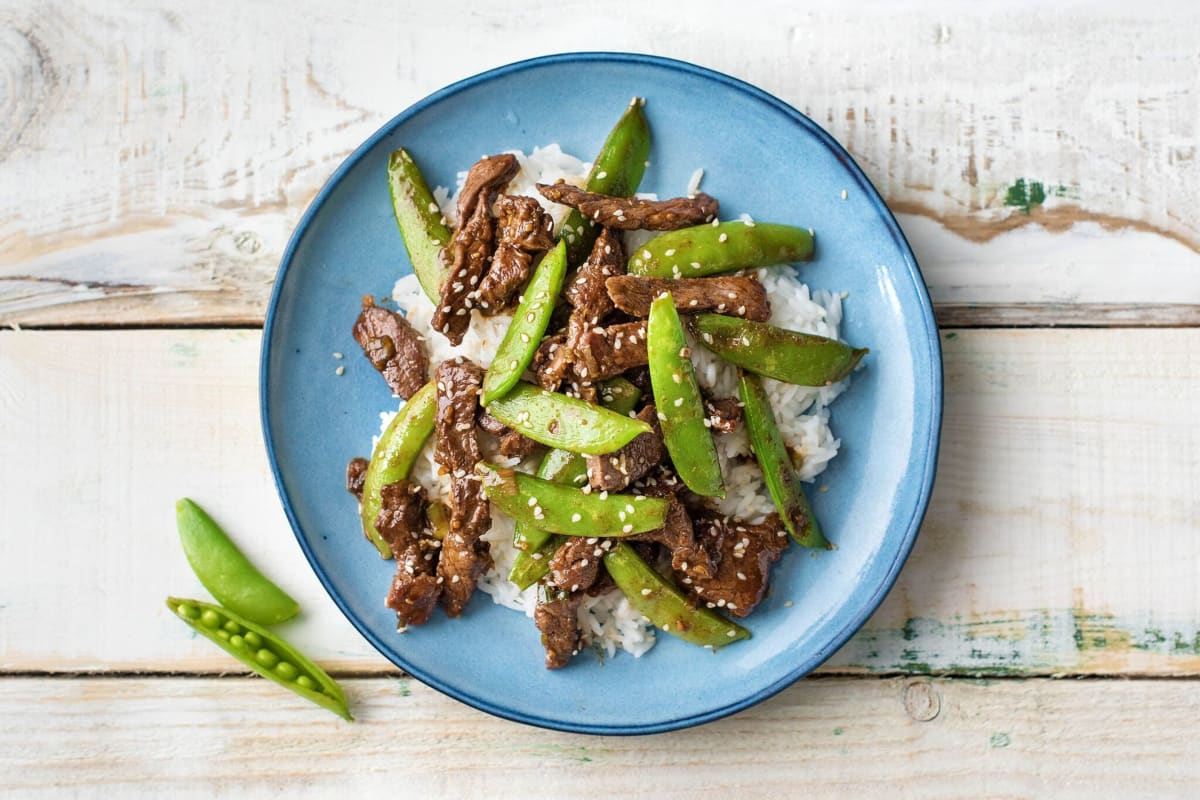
[1063, 535]
[156, 156]
[832, 737]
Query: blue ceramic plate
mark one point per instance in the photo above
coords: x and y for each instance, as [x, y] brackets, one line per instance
[760, 156]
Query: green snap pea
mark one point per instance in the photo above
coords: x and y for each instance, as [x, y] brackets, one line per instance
[788, 356]
[783, 484]
[304, 678]
[520, 343]
[555, 420]
[570, 469]
[394, 455]
[617, 171]
[663, 604]
[232, 627]
[562, 509]
[439, 519]
[712, 249]
[422, 226]
[677, 398]
[253, 639]
[226, 572]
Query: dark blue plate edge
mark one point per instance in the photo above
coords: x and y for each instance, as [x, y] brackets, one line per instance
[929, 468]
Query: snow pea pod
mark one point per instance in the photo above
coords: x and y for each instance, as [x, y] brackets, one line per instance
[788, 356]
[520, 343]
[569, 469]
[394, 455]
[617, 171]
[422, 226]
[556, 420]
[226, 572]
[712, 249]
[564, 509]
[782, 482]
[680, 407]
[263, 652]
[664, 605]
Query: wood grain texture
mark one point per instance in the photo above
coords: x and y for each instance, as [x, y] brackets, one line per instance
[1062, 538]
[833, 737]
[154, 157]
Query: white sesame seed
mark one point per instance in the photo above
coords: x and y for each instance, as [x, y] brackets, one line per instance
[338, 356]
[843, 194]
[533, 501]
[627, 528]
[340, 371]
[723, 237]
[576, 517]
[678, 402]
[731, 633]
[454, 579]
[601, 175]
[645, 254]
[645, 592]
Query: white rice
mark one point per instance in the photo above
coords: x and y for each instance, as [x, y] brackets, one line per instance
[608, 622]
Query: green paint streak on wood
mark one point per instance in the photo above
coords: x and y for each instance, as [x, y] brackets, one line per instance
[1000, 740]
[1028, 195]
[404, 684]
[951, 335]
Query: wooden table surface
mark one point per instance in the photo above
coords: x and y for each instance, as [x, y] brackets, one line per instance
[1044, 637]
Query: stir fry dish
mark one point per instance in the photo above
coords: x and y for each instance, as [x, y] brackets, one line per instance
[607, 428]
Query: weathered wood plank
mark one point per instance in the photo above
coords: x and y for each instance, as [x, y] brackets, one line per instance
[895, 738]
[1062, 537]
[155, 157]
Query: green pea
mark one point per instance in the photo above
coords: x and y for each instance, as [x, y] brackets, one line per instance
[210, 618]
[191, 612]
[266, 658]
[253, 639]
[223, 635]
[237, 641]
[286, 670]
[306, 682]
[232, 627]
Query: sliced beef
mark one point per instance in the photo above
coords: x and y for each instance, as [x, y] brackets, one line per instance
[487, 176]
[356, 473]
[575, 566]
[468, 255]
[735, 295]
[724, 414]
[404, 524]
[631, 213]
[744, 567]
[588, 296]
[614, 471]
[509, 442]
[522, 230]
[464, 557]
[393, 347]
[545, 361]
[556, 619]
[610, 350]
[689, 556]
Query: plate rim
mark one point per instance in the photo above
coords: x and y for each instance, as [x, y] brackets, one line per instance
[929, 328]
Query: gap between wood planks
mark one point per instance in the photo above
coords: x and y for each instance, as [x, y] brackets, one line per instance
[967, 317]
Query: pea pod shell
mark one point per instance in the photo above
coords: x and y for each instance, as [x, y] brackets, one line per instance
[783, 484]
[560, 466]
[617, 171]
[328, 694]
[420, 221]
[680, 406]
[555, 420]
[664, 605]
[712, 249]
[788, 356]
[524, 334]
[562, 509]
[394, 455]
[226, 572]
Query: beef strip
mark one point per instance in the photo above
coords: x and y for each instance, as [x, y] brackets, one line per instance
[724, 414]
[610, 350]
[689, 556]
[545, 365]
[393, 347]
[487, 175]
[468, 254]
[735, 295]
[508, 442]
[590, 302]
[356, 473]
[744, 567]
[556, 619]
[575, 566]
[631, 214]
[522, 229]
[614, 471]
[464, 557]
[404, 525]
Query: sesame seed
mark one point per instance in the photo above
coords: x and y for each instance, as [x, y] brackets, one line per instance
[576, 517]
[533, 501]
[601, 175]
[584, 563]
[645, 592]
[666, 626]
[741, 576]
[645, 254]
[627, 528]
[723, 237]
[513, 364]
[454, 579]
[843, 194]
[731, 633]
[788, 604]
[340, 371]
[629, 508]
[433, 208]
[338, 356]
[678, 402]
[536, 556]
[670, 252]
